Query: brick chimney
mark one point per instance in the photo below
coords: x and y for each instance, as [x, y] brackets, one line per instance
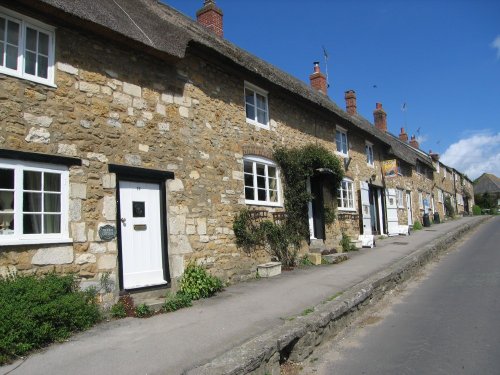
[318, 80]
[413, 142]
[210, 16]
[403, 136]
[380, 117]
[350, 102]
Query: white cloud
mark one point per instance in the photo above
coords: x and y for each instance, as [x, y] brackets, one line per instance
[496, 44]
[475, 155]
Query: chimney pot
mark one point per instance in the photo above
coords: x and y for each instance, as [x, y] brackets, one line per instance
[403, 136]
[350, 102]
[318, 80]
[211, 16]
[413, 142]
[380, 117]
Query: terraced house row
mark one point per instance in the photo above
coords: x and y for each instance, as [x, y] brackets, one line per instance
[128, 150]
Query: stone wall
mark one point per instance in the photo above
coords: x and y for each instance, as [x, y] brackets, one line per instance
[112, 105]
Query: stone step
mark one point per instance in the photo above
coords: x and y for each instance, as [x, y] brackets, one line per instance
[335, 258]
[153, 298]
[317, 246]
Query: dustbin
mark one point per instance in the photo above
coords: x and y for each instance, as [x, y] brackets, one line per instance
[427, 221]
[436, 218]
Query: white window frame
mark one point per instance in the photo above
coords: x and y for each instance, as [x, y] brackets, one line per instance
[370, 158]
[25, 22]
[420, 200]
[256, 90]
[341, 206]
[399, 198]
[437, 167]
[18, 238]
[340, 130]
[440, 196]
[267, 163]
[444, 172]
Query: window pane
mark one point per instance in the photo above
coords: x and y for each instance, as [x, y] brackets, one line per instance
[52, 224]
[261, 182]
[262, 195]
[52, 203]
[248, 180]
[261, 117]
[250, 112]
[31, 39]
[43, 66]
[32, 180]
[52, 182]
[13, 33]
[6, 223]
[273, 183]
[249, 194]
[248, 167]
[11, 60]
[30, 63]
[2, 48]
[261, 102]
[261, 169]
[249, 97]
[6, 179]
[43, 43]
[32, 202]
[2, 29]
[271, 172]
[6, 200]
[273, 195]
[32, 224]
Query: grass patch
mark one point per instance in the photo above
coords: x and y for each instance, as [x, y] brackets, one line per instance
[331, 298]
[35, 312]
[307, 311]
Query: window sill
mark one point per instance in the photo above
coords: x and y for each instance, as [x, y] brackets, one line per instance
[29, 79]
[258, 124]
[370, 165]
[35, 241]
[347, 209]
[341, 154]
[265, 204]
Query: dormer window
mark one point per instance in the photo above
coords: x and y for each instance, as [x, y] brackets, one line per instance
[256, 106]
[26, 48]
[341, 141]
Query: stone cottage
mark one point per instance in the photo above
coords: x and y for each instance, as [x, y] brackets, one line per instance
[127, 151]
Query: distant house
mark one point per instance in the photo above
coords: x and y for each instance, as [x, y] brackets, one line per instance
[487, 191]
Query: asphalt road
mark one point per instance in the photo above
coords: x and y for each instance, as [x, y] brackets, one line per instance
[446, 323]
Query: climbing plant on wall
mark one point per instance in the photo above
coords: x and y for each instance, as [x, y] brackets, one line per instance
[297, 165]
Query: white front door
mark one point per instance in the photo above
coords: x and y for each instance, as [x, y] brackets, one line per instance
[408, 208]
[365, 207]
[141, 237]
[392, 212]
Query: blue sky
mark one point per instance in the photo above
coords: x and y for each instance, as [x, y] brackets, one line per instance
[441, 58]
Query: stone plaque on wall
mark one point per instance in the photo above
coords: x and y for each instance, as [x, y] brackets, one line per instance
[107, 232]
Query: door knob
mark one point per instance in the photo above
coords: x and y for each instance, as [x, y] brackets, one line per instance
[123, 220]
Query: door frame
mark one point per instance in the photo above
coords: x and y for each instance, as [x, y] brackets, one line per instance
[318, 181]
[126, 173]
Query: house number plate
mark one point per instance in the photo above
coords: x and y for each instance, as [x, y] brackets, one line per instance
[107, 232]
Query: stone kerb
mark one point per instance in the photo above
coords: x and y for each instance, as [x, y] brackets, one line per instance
[296, 340]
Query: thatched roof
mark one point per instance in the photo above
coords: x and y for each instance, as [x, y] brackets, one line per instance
[162, 30]
[487, 183]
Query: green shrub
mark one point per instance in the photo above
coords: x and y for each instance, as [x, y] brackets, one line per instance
[346, 243]
[35, 312]
[143, 311]
[417, 225]
[448, 207]
[176, 302]
[305, 261]
[118, 310]
[476, 210]
[196, 283]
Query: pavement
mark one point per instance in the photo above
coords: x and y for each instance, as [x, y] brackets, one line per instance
[176, 342]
